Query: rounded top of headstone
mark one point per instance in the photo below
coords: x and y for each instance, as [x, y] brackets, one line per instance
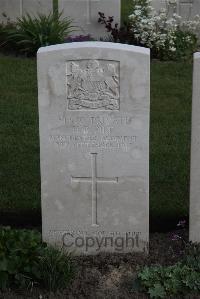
[197, 55]
[102, 45]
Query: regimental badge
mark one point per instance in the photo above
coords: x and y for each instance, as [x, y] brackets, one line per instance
[93, 85]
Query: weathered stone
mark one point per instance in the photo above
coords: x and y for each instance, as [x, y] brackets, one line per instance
[33, 7]
[10, 10]
[195, 156]
[187, 9]
[94, 140]
[84, 14]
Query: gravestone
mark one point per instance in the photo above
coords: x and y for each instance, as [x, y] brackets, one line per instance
[10, 10]
[94, 141]
[33, 7]
[159, 4]
[187, 9]
[84, 14]
[171, 6]
[195, 155]
[13, 9]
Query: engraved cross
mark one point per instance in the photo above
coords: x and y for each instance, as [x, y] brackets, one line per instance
[94, 179]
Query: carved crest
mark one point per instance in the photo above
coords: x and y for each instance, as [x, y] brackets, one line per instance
[93, 85]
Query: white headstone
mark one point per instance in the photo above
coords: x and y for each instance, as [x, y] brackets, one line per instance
[195, 8]
[85, 14]
[33, 7]
[195, 156]
[10, 10]
[187, 9]
[13, 9]
[94, 102]
[159, 4]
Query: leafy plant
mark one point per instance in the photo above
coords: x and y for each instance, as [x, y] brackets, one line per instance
[183, 278]
[4, 29]
[25, 261]
[19, 257]
[169, 38]
[186, 45]
[119, 34]
[31, 33]
[56, 269]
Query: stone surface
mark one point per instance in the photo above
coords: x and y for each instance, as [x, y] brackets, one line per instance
[195, 156]
[94, 102]
[33, 7]
[10, 10]
[186, 8]
[159, 4]
[14, 9]
[85, 14]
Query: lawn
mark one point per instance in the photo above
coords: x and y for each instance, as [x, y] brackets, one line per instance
[126, 8]
[170, 138]
[19, 146]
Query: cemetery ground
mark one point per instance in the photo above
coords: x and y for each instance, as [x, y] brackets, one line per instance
[105, 275]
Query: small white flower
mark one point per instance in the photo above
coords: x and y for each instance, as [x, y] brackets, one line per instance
[172, 49]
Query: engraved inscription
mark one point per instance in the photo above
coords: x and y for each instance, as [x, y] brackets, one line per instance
[94, 179]
[93, 85]
[109, 143]
[95, 134]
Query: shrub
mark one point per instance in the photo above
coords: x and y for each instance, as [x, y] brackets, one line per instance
[19, 257]
[31, 33]
[168, 38]
[25, 261]
[122, 34]
[4, 29]
[56, 270]
[183, 278]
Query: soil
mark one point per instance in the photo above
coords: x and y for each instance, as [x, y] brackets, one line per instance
[112, 275]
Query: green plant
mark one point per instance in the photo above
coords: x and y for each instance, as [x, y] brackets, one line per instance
[25, 261]
[183, 278]
[56, 269]
[55, 7]
[4, 29]
[19, 257]
[121, 35]
[185, 44]
[169, 38]
[31, 33]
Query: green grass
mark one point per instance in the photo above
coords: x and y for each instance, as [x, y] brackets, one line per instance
[170, 137]
[126, 9]
[19, 144]
[171, 93]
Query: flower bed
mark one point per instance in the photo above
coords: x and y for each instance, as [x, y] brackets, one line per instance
[169, 38]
